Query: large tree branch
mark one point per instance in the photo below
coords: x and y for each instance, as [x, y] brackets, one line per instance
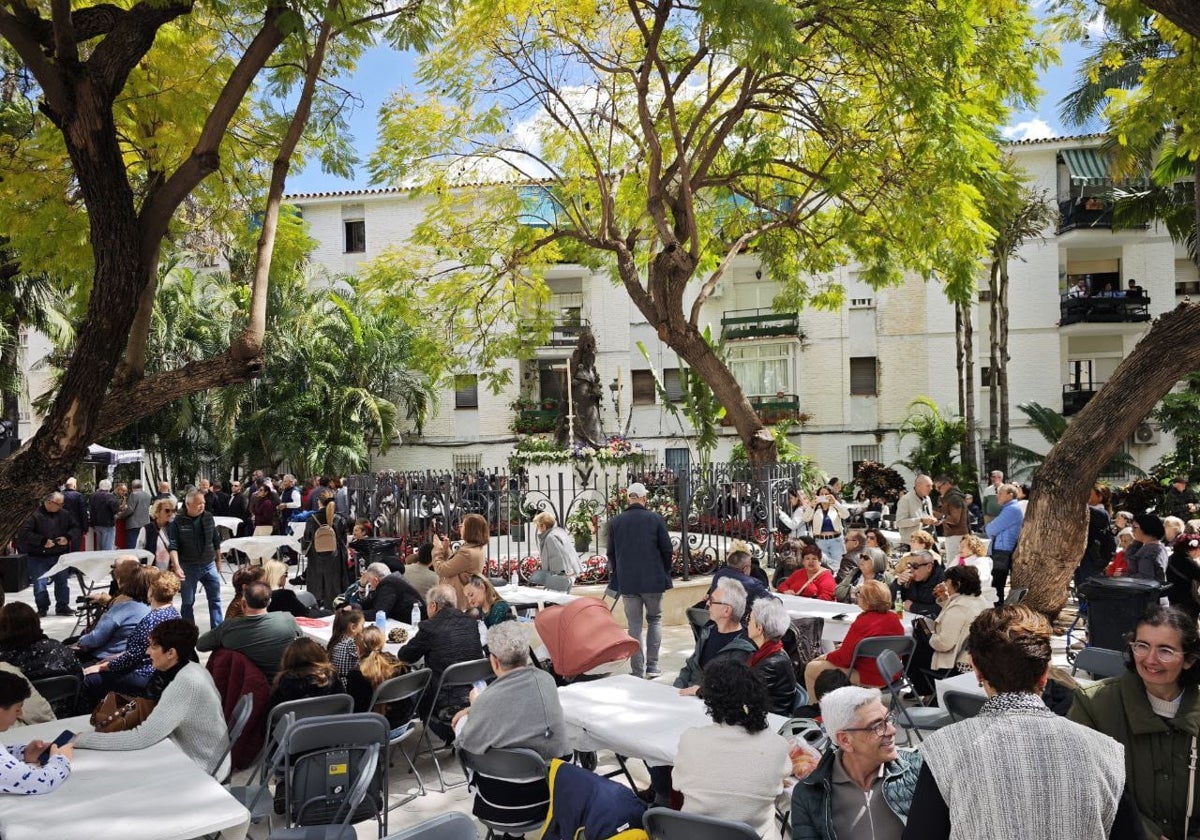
[65, 48]
[128, 42]
[19, 31]
[1183, 13]
[161, 205]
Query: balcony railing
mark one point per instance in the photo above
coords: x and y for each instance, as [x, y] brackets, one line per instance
[531, 421]
[1103, 310]
[1076, 395]
[759, 323]
[772, 409]
[566, 333]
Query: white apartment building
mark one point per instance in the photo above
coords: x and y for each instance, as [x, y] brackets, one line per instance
[851, 373]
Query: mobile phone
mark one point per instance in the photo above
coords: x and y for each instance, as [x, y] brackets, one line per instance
[479, 686]
[65, 737]
[839, 617]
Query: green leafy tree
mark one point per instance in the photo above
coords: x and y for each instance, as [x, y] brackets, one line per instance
[698, 414]
[939, 437]
[1179, 414]
[1051, 425]
[667, 139]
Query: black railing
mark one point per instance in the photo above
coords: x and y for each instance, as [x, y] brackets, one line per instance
[773, 409]
[1103, 310]
[566, 333]
[759, 323]
[1076, 396]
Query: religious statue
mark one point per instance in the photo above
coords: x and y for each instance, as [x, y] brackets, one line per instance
[586, 391]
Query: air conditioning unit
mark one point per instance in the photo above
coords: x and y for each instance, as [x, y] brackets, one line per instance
[718, 289]
[1146, 435]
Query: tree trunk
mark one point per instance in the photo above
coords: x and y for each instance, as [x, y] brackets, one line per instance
[994, 364]
[1000, 374]
[971, 431]
[1055, 531]
[959, 358]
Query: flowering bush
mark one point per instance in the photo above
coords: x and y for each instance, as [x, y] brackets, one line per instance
[617, 450]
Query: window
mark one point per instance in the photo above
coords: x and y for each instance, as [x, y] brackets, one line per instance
[985, 295]
[985, 377]
[673, 383]
[356, 236]
[643, 387]
[763, 369]
[466, 390]
[552, 381]
[863, 376]
[858, 454]
[862, 303]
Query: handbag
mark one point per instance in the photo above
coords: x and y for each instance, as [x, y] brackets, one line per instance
[118, 713]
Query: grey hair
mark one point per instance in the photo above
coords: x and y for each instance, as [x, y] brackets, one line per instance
[442, 596]
[1010, 489]
[1128, 516]
[739, 559]
[54, 497]
[878, 558]
[771, 616]
[509, 644]
[545, 518]
[136, 484]
[840, 707]
[193, 493]
[733, 594]
[105, 484]
[288, 477]
[378, 570]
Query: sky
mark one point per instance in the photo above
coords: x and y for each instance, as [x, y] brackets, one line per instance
[384, 69]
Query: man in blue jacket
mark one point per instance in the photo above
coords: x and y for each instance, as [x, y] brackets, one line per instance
[1004, 532]
[639, 568]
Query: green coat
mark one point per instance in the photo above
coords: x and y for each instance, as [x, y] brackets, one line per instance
[1156, 750]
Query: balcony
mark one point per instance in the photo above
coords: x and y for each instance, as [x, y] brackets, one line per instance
[1076, 395]
[1103, 310]
[565, 332]
[759, 323]
[532, 421]
[776, 408]
[1083, 213]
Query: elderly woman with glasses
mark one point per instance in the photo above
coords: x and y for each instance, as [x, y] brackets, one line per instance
[1017, 769]
[917, 585]
[768, 622]
[1153, 709]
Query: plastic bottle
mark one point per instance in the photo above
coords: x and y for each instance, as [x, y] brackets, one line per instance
[416, 615]
[899, 606]
[512, 579]
[381, 620]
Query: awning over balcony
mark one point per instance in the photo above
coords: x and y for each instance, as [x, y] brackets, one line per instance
[1086, 166]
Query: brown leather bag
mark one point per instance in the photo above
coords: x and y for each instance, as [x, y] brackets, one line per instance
[117, 713]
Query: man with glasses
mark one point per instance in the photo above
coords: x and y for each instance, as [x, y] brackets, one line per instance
[47, 535]
[915, 585]
[863, 788]
[723, 636]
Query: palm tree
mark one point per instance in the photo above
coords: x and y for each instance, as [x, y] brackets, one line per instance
[939, 434]
[1024, 462]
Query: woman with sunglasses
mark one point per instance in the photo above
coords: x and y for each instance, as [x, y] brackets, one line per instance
[1154, 711]
[1017, 769]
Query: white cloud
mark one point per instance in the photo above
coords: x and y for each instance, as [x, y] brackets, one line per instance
[1034, 129]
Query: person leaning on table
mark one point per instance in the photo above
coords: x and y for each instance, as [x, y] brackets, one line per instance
[187, 706]
[18, 772]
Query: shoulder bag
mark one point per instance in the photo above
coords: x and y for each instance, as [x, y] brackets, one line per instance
[118, 713]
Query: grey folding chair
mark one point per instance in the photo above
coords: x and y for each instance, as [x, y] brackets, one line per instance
[902, 646]
[667, 824]
[341, 828]
[1015, 596]
[406, 687]
[558, 583]
[961, 705]
[62, 693]
[452, 826]
[1099, 662]
[321, 755]
[514, 777]
[456, 676]
[254, 795]
[913, 718]
[237, 725]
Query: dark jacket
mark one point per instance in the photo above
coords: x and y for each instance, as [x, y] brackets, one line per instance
[195, 538]
[639, 552]
[1176, 503]
[395, 596]
[448, 638]
[44, 525]
[300, 686]
[953, 506]
[102, 509]
[76, 505]
[1101, 544]
[1183, 580]
[739, 647]
[921, 594]
[234, 675]
[755, 588]
[812, 797]
[285, 600]
[777, 672]
[583, 803]
[42, 659]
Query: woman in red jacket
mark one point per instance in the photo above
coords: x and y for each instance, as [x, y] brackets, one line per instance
[811, 580]
[876, 619]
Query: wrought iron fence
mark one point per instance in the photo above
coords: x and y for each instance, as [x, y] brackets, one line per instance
[705, 509]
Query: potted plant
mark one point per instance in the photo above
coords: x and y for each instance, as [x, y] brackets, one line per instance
[581, 523]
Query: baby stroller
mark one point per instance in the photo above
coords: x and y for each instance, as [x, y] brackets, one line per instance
[580, 636]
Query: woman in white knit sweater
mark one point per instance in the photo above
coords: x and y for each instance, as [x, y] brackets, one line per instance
[734, 768]
[188, 707]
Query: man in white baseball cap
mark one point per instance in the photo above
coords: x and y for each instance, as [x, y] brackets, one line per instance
[639, 564]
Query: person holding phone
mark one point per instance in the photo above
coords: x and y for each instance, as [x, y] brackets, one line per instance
[35, 767]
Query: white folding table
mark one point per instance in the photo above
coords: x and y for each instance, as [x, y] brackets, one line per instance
[523, 597]
[95, 566]
[321, 629]
[153, 794]
[835, 627]
[260, 548]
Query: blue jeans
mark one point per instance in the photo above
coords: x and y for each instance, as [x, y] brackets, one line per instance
[106, 536]
[832, 549]
[38, 566]
[131, 535]
[205, 573]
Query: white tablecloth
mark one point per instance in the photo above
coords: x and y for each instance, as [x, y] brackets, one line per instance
[96, 565]
[324, 632]
[153, 794]
[522, 597]
[966, 682]
[835, 629]
[631, 716]
[230, 522]
[297, 528]
[260, 548]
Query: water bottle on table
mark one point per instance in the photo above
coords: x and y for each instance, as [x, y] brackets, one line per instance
[512, 579]
[416, 615]
[381, 620]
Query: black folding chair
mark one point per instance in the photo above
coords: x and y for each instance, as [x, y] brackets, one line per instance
[404, 688]
[511, 791]
[915, 718]
[62, 693]
[961, 705]
[456, 676]
[237, 725]
[341, 828]
[902, 646]
[668, 824]
[1099, 662]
